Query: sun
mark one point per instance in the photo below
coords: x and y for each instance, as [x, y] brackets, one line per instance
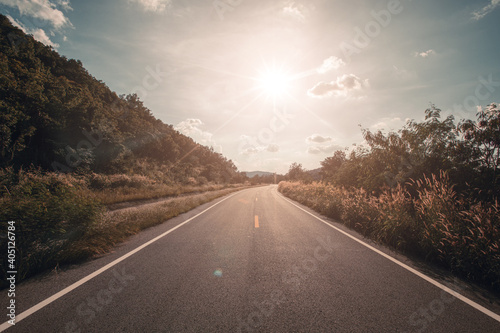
[274, 83]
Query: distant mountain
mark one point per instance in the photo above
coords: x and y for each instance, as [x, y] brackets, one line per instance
[251, 174]
[315, 174]
[55, 115]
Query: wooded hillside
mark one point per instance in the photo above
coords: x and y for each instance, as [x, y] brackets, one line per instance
[55, 115]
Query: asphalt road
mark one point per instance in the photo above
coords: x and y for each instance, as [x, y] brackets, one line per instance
[255, 262]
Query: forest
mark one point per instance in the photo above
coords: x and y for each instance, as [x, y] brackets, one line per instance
[57, 117]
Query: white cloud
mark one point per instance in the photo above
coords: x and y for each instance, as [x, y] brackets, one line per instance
[315, 150]
[41, 9]
[154, 5]
[388, 124]
[16, 23]
[188, 126]
[295, 11]
[329, 64]
[316, 138]
[479, 14]
[343, 86]
[65, 4]
[250, 151]
[403, 74]
[42, 37]
[319, 144]
[191, 128]
[250, 146]
[425, 54]
[273, 148]
[38, 34]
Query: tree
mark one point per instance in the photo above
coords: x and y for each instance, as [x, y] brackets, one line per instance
[56, 116]
[331, 166]
[484, 136]
[470, 153]
[296, 172]
[482, 148]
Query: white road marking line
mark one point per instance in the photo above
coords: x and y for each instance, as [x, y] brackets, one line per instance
[75, 285]
[452, 292]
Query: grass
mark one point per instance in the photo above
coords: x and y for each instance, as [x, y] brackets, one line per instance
[116, 226]
[436, 223]
[119, 188]
[62, 218]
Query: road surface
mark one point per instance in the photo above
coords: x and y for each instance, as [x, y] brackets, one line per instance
[254, 262]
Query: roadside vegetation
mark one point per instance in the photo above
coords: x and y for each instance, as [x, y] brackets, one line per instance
[121, 188]
[430, 190]
[63, 218]
[70, 147]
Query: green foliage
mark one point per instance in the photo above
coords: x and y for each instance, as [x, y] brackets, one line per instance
[429, 189]
[297, 173]
[101, 182]
[49, 210]
[56, 116]
[59, 218]
[469, 152]
[482, 151]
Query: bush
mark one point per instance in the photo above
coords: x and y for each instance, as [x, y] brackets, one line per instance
[101, 182]
[49, 210]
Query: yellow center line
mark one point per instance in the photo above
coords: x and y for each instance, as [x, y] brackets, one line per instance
[256, 221]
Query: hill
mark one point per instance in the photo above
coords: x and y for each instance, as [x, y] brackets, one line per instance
[251, 174]
[56, 116]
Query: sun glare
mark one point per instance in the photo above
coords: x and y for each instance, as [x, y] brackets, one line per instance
[274, 83]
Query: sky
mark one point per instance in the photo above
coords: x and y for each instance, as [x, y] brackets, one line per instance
[269, 83]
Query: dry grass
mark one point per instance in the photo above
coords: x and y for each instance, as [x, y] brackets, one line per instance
[116, 226]
[49, 210]
[436, 224]
[61, 219]
[112, 189]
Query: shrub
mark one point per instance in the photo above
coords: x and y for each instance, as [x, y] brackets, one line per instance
[49, 210]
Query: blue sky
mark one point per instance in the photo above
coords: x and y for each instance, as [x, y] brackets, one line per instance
[268, 83]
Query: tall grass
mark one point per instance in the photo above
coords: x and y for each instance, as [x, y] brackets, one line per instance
[49, 211]
[61, 218]
[437, 223]
[116, 226]
[111, 189]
